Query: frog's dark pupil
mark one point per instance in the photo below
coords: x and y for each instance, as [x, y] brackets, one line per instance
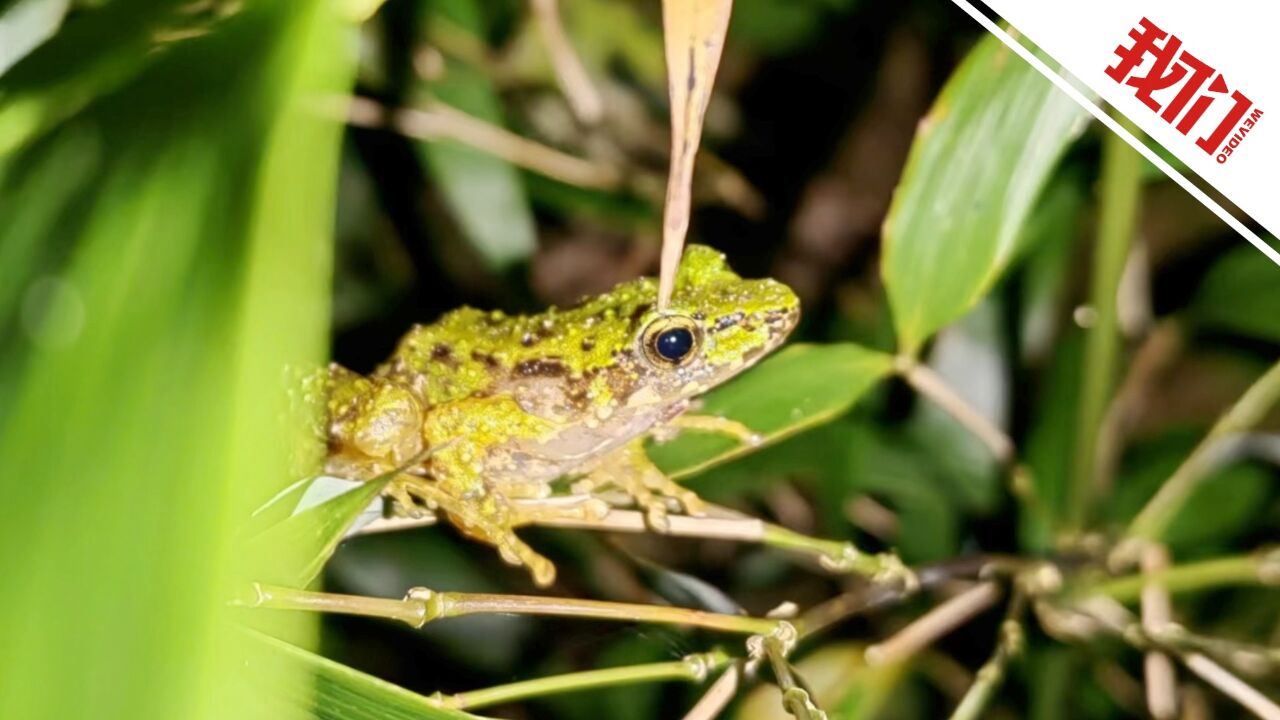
[674, 344]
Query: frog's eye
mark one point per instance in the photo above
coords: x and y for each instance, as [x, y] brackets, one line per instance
[671, 340]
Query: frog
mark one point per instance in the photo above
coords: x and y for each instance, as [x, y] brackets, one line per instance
[479, 415]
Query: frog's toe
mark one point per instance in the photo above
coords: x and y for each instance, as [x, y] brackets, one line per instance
[515, 552]
[542, 570]
[691, 503]
[656, 515]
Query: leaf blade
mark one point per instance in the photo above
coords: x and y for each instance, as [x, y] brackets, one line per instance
[796, 389]
[979, 161]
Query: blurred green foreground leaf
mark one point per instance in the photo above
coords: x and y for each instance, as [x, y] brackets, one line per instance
[165, 244]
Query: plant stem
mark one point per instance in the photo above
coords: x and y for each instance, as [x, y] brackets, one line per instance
[1119, 191]
[926, 382]
[1232, 686]
[795, 699]
[442, 122]
[1235, 570]
[1157, 612]
[584, 99]
[1118, 621]
[721, 692]
[1009, 645]
[692, 668]
[934, 624]
[421, 606]
[833, 555]
[1152, 521]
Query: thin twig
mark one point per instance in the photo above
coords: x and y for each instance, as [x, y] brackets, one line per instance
[1232, 686]
[1157, 611]
[692, 668]
[422, 606]
[1248, 411]
[1103, 614]
[584, 99]
[1009, 645]
[878, 596]
[795, 699]
[1260, 568]
[939, 621]
[928, 383]
[438, 121]
[1152, 358]
[714, 700]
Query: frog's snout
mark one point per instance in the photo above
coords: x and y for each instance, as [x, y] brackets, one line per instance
[780, 311]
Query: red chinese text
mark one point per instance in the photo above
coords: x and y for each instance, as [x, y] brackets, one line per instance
[1188, 87]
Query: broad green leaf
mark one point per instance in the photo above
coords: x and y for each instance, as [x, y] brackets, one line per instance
[977, 166]
[340, 692]
[800, 387]
[173, 234]
[485, 193]
[1241, 294]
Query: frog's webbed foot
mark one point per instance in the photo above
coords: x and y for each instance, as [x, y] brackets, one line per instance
[491, 519]
[630, 470]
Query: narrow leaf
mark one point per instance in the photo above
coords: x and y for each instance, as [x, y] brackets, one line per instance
[312, 535]
[341, 692]
[693, 33]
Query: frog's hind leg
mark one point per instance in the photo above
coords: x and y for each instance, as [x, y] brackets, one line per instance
[490, 519]
[630, 470]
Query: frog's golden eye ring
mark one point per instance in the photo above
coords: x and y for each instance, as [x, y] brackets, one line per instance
[671, 340]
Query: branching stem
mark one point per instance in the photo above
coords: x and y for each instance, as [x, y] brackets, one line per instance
[1153, 520]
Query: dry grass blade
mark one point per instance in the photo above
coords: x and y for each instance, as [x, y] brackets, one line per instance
[694, 33]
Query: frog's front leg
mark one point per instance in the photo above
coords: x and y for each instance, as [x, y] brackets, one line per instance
[630, 470]
[709, 424]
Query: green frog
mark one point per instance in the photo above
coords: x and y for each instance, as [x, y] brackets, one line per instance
[481, 412]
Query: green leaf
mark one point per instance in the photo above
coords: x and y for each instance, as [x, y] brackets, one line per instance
[975, 171]
[173, 229]
[485, 193]
[905, 478]
[340, 692]
[312, 535]
[1241, 294]
[800, 387]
